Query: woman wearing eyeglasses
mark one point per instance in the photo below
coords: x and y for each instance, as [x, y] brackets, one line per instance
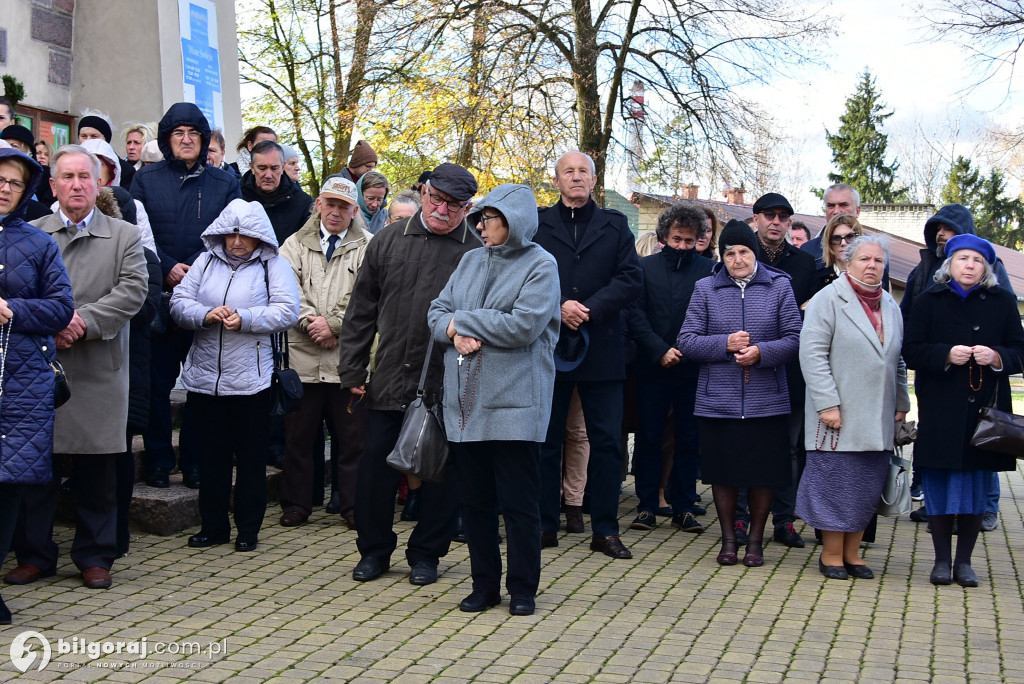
[35, 303]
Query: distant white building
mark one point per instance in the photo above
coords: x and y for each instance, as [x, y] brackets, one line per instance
[902, 220]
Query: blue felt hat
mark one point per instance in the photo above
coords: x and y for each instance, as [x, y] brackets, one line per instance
[968, 241]
[571, 348]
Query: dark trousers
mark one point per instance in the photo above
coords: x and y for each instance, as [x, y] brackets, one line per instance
[168, 351]
[302, 427]
[503, 475]
[95, 545]
[655, 397]
[125, 488]
[602, 412]
[10, 500]
[784, 500]
[375, 500]
[232, 430]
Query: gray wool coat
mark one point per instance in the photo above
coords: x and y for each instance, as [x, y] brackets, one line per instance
[109, 281]
[844, 364]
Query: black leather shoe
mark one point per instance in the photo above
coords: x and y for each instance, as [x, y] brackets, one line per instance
[521, 605]
[368, 568]
[479, 601]
[242, 544]
[610, 546]
[832, 571]
[190, 478]
[334, 505]
[158, 478]
[5, 613]
[548, 540]
[941, 573]
[423, 573]
[787, 534]
[201, 540]
[859, 571]
[964, 575]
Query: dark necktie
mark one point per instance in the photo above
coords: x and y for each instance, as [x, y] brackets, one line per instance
[332, 242]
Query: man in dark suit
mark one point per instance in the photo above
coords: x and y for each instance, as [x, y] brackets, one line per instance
[599, 275]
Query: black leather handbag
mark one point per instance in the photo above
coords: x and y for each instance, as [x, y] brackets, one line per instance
[999, 431]
[285, 385]
[61, 386]
[422, 446]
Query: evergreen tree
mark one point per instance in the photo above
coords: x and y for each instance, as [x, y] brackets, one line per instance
[858, 148]
[996, 218]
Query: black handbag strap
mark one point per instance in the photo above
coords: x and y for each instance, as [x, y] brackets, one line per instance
[426, 365]
[278, 340]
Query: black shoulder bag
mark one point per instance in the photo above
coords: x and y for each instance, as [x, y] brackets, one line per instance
[422, 446]
[285, 385]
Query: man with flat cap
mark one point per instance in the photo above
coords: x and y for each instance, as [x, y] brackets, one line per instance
[773, 217]
[405, 267]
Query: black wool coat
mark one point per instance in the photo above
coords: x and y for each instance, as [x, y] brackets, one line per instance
[602, 273]
[946, 399]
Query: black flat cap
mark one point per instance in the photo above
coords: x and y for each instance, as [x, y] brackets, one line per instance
[772, 200]
[454, 180]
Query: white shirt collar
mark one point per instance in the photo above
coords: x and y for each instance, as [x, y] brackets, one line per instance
[324, 235]
[84, 223]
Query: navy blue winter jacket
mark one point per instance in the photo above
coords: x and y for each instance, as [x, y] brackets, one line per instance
[38, 292]
[181, 201]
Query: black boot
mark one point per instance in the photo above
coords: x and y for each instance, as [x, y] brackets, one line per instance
[334, 505]
[460, 531]
[411, 511]
[5, 613]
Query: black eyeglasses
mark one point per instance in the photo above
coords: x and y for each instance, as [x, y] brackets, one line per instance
[484, 219]
[452, 205]
[839, 239]
[770, 215]
[16, 185]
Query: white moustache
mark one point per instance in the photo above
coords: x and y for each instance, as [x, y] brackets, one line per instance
[438, 215]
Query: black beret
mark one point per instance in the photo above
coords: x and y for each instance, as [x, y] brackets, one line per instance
[734, 234]
[454, 181]
[97, 123]
[20, 133]
[772, 200]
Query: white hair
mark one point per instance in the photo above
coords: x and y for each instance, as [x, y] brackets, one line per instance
[65, 150]
[988, 280]
[590, 160]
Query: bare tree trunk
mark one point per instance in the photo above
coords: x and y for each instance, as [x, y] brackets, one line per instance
[477, 87]
[588, 98]
[348, 104]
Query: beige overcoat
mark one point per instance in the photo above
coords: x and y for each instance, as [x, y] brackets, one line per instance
[109, 282]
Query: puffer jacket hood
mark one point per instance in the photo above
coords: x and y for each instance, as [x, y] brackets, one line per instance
[34, 174]
[247, 218]
[956, 216]
[103, 150]
[183, 114]
[519, 207]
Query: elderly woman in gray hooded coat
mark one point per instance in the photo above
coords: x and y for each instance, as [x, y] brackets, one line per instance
[235, 296]
[498, 317]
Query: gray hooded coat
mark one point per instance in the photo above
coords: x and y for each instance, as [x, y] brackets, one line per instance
[235, 362]
[507, 297]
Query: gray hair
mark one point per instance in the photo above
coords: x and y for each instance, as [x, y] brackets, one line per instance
[864, 241]
[590, 160]
[841, 187]
[65, 150]
[404, 199]
[988, 280]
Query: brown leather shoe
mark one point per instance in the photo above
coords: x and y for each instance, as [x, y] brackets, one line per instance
[96, 578]
[350, 521]
[26, 573]
[293, 519]
[610, 546]
[574, 519]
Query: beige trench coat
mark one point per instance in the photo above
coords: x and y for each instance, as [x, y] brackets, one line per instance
[109, 283]
[324, 290]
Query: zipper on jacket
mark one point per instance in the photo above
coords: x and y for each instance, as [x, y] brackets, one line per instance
[259, 366]
[743, 322]
[199, 211]
[220, 341]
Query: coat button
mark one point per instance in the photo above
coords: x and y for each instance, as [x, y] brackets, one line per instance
[43, 347]
[1, 267]
[575, 290]
[976, 328]
[970, 399]
[576, 258]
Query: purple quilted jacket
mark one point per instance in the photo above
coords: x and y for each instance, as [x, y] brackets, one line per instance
[767, 310]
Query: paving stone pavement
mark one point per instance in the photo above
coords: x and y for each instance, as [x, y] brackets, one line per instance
[292, 613]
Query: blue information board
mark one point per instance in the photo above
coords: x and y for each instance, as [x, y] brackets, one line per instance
[199, 57]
